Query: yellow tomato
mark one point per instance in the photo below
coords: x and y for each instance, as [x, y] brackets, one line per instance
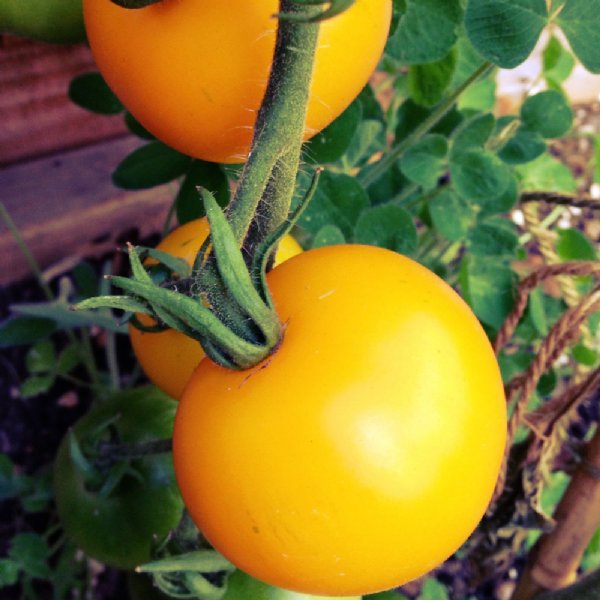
[365, 449]
[194, 72]
[169, 357]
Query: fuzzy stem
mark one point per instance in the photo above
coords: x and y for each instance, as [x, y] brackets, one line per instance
[279, 127]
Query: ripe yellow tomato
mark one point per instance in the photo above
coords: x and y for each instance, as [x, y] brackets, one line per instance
[194, 72]
[364, 451]
[169, 357]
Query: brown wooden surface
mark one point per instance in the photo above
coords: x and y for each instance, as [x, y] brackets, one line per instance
[36, 116]
[66, 208]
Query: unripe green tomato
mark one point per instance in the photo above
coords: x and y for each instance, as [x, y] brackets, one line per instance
[58, 21]
[118, 529]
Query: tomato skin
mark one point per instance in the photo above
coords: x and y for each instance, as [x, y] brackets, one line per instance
[365, 450]
[58, 21]
[169, 358]
[194, 72]
[118, 529]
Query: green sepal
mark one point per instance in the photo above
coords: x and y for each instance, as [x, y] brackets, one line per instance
[234, 273]
[266, 248]
[177, 266]
[91, 474]
[187, 315]
[202, 588]
[125, 303]
[138, 269]
[115, 475]
[199, 561]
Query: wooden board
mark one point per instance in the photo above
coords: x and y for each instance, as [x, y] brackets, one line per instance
[66, 208]
[36, 116]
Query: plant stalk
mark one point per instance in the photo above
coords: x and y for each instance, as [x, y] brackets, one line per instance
[556, 556]
[278, 134]
[440, 111]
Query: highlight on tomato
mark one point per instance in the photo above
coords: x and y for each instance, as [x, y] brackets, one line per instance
[169, 357]
[364, 451]
[194, 72]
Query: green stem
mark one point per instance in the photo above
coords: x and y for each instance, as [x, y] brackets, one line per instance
[546, 223]
[441, 110]
[88, 357]
[279, 127]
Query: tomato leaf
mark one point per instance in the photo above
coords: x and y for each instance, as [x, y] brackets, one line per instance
[330, 144]
[494, 237]
[473, 133]
[479, 175]
[451, 215]
[338, 200]
[387, 226]
[505, 31]
[425, 162]
[369, 137]
[149, 166]
[91, 92]
[580, 22]
[426, 31]
[36, 385]
[31, 552]
[557, 62]
[574, 245]
[22, 331]
[428, 83]
[433, 590]
[547, 113]
[546, 173]
[488, 286]
[9, 572]
[523, 147]
[41, 357]
[329, 235]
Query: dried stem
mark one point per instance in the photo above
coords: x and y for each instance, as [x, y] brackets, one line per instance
[557, 555]
[561, 199]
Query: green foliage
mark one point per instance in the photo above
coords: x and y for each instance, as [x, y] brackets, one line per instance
[149, 166]
[426, 31]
